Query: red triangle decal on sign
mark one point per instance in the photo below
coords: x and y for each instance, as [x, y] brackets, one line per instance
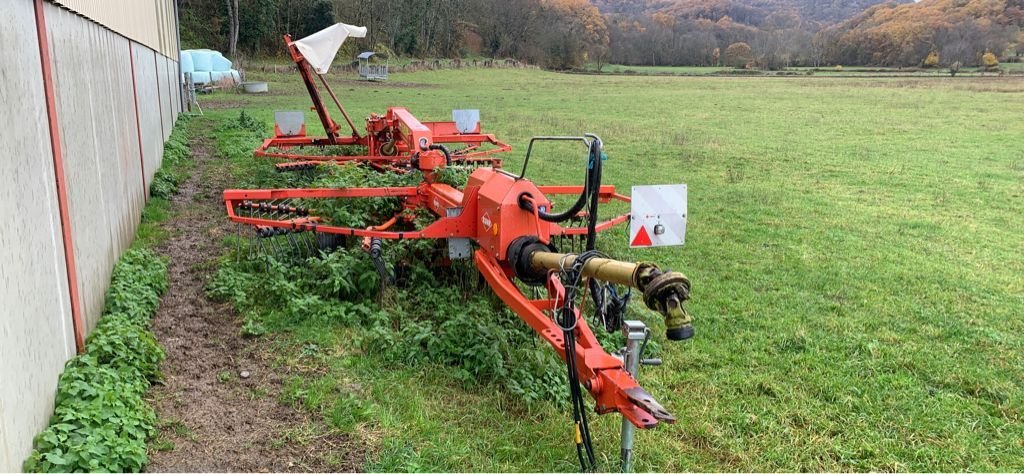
[641, 239]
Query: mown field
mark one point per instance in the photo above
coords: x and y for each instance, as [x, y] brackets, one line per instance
[856, 248]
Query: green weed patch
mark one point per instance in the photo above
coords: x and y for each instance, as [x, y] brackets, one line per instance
[172, 171]
[434, 313]
[101, 421]
[176, 166]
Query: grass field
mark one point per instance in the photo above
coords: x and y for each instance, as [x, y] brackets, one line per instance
[674, 70]
[829, 71]
[856, 248]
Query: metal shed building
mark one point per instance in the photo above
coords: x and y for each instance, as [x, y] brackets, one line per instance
[370, 71]
[90, 94]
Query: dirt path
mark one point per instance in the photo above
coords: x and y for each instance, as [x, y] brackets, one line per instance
[218, 407]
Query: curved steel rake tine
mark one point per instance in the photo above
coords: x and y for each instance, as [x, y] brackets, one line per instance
[238, 243]
[260, 247]
[310, 244]
[298, 251]
[276, 247]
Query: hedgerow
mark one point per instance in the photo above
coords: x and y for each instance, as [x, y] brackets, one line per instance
[101, 421]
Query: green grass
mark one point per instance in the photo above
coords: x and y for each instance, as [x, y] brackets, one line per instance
[1017, 67]
[855, 247]
[175, 168]
[655, 70]
[830, 71]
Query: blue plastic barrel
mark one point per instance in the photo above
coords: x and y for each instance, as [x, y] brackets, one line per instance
[201, 77]
[220, 63]
[186, 62]
[202, 60]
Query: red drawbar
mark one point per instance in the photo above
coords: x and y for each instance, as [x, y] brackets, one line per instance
[58, 171]
[138, 127]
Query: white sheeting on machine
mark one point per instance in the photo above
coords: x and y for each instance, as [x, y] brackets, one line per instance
[320, 48]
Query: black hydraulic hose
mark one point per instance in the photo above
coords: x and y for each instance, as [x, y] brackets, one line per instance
[591, 185]
[567, 321]
[562, 216]
[444, 149]
[595, 194]
[529, 149]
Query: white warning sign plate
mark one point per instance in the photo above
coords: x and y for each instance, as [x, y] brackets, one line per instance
[658, 216]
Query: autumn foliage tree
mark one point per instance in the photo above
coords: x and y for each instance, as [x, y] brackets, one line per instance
[989, 61]
[571, 32]
[931, 61]
[959, 31]
[738, 55]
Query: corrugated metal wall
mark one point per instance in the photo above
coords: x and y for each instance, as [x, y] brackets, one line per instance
[96, 113]
[150, 22]
[147, 91]
[115, 99]
[35, 315]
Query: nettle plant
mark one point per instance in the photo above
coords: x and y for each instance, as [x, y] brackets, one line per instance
[432, 314]
[101, 421]
[176, 153]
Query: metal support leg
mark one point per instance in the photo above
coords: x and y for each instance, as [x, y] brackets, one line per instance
[635, 332]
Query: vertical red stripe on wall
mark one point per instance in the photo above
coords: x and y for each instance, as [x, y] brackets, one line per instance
[58, 171]
[138, 128]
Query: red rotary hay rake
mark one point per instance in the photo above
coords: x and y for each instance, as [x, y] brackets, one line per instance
[389, 141]
[507, 225]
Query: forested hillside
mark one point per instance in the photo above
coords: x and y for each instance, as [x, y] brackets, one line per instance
[563, 34]
[932, 33]
[751, 12]
[552, 33]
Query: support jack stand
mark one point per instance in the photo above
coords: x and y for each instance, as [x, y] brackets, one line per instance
[637, 334]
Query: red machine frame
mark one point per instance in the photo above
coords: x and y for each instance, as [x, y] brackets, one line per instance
[489, 214]
[510, 220]
[391, 139]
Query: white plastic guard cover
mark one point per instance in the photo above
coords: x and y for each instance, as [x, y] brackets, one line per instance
[320, 48]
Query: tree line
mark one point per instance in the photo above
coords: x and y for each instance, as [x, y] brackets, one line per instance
[947, 33]
[931, 33]
[559, 34]
[565, 34]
